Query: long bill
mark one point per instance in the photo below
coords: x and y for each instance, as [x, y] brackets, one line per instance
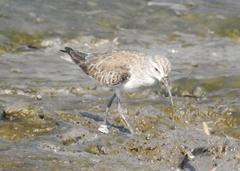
[165, 82]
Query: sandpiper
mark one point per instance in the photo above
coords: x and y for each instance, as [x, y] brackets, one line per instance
[124, 71]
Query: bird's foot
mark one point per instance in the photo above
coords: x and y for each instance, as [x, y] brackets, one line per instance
[103, 129]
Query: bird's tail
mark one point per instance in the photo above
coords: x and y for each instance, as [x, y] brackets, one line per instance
[77, 57]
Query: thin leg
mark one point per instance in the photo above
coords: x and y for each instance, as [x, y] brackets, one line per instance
[121, 112]
[103, 128]
[108, 107]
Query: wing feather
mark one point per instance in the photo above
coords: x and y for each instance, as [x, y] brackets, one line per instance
[111, 69]
[107, 76]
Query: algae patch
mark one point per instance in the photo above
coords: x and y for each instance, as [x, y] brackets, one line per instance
[191, 87]
[233, 34]
[21, 121]
[94, 149]
[230, 28]
[17, 130]
[20, 111]
[17, 39]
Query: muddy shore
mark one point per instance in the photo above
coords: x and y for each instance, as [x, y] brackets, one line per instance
[50, 110]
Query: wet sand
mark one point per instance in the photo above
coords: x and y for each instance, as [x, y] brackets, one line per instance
[50, 110]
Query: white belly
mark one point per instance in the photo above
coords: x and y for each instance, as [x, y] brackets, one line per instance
[134, 84]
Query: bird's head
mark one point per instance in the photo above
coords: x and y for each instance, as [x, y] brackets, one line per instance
[160, 69]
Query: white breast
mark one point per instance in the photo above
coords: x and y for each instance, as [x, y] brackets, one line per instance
[136, 83]
[140, 77]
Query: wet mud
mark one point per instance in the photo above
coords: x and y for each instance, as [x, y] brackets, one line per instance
[50, 110]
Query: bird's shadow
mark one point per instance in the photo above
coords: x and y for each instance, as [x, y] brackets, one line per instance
[97, 118]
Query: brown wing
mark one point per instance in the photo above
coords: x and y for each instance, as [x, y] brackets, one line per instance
[113, 68]
[109, 70]
[107, 76]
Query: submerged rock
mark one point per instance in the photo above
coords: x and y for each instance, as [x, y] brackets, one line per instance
[24, 120]
[94, 149]
[21, 111]
[198, 92]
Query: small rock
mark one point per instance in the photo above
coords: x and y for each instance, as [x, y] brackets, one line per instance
[79, 91]
[50, 147]
[38, 97]
[198, 91]
[18, 111]
[186, 93]
[70, 141]
[94, 149]
[16, 70]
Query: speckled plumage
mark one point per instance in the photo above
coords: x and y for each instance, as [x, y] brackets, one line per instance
[119, 67]
[107, 74]
[124, 71]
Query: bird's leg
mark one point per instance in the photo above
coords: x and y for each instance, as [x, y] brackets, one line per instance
[121, 112]
[103, 128]
[108, 107]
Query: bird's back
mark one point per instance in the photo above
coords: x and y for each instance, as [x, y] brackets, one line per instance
[113, 68]
[117, 59]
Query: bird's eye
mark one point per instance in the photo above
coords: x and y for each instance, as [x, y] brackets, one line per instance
[156, 69]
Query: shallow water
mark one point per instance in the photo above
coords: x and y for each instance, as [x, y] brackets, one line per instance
[52, 110]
